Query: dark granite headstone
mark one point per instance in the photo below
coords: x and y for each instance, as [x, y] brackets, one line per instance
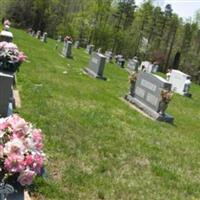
[147, 95]
[96, 65]
[67, 49]
[6, 82]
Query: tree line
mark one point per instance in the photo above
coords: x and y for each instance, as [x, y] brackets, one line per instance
[117, 25]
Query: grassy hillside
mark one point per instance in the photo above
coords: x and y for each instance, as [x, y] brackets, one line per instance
[98, 147]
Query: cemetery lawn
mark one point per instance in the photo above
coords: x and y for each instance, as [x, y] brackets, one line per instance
[97, 146]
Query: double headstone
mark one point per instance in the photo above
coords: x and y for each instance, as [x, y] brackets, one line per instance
[90, 49]
[179, 83]
[6, 99]
[147, 95]
[96, 66]
[67, 49]
[44, 37]
[108, 55]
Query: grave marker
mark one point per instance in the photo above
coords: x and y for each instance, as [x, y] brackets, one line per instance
[6, 82]
[96, 66]
[180, 82]
[90, 49]
[147, 95]
[67, 49]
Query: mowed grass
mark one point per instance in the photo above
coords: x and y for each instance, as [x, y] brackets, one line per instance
[97, 146]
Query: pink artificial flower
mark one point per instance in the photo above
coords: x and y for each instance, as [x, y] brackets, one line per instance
[3, 44]
[14, 163]
[7, 23]
[22, 57]
[15, 146]
[38, 163]
[1, 151]
[26, 177]
[37, 139]
[29, 160]
[17, 122]
[11, 45]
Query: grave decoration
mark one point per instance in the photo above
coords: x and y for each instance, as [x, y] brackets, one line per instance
[181, 82]
[21, 156]
[151, 94]
[10, 57]
[96, 66]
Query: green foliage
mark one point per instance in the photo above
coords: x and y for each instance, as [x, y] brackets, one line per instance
[113, 24]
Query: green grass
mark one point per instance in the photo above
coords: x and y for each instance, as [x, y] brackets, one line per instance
[97, 147]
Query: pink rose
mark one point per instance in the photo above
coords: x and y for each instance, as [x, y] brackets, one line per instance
[17, 122]
[38, 163]
[14, 163]
[1, 151]
[29, 160]
[37, 139]
[15, 146]
[21, 57]
[26, 177]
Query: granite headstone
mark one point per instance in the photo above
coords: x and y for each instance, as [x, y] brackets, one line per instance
[178, 80]
[96, 66]
[90, 48]
[147, 95]
[67, 49]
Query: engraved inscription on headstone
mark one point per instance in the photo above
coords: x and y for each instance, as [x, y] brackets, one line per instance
[5, 189]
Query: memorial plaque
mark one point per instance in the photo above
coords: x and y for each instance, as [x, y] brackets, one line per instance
[96, 65]
[6, 82]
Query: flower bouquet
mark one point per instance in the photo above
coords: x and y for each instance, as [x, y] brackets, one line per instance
[10, 57]
[21, 155]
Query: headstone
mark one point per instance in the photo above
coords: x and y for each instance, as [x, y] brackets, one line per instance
[38, 34]
[147, 65]
[96, 66]
[147, 95]
[77, 44]
[6, 82]
[133, 65]
[67, 49]
[44, 37]
[90, 49]
[6, 36]
[108, 55]
[59, 38]
[179, 81]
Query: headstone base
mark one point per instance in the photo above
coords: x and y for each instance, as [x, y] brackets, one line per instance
[93, 74]
[187, 95]
[165, 118]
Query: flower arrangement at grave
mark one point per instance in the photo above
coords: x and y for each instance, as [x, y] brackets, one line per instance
[10, 57]
[21, 155]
